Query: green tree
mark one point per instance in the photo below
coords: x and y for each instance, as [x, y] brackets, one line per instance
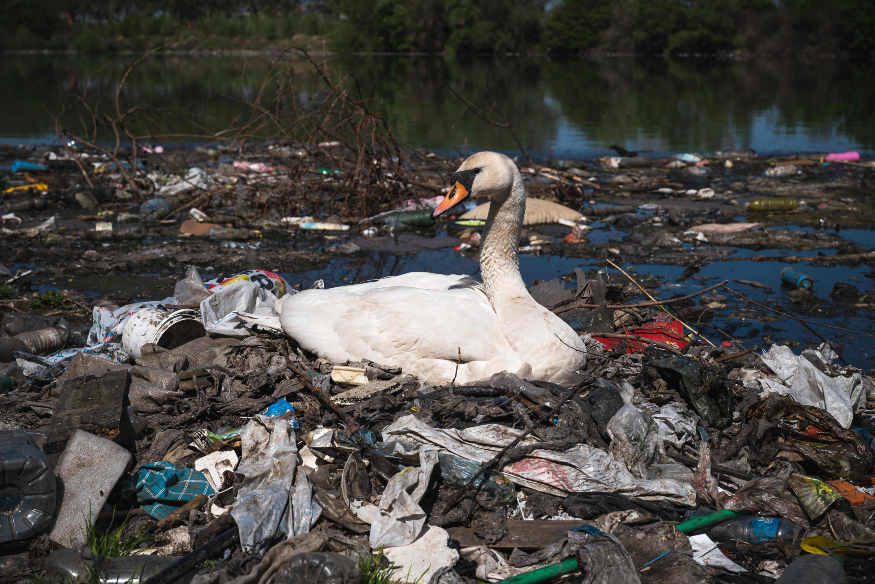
[576, 25]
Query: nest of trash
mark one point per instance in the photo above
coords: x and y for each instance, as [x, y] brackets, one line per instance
[192, 441]
[187, 439]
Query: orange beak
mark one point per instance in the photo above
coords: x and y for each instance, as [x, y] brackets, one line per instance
[456, 195]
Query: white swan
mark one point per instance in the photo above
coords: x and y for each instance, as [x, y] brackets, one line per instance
[420, 321]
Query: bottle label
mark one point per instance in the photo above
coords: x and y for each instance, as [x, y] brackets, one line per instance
[763, 529]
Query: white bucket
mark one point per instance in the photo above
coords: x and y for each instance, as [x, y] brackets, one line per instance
[162, 327]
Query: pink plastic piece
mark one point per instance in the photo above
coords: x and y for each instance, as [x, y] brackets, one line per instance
[843, 156]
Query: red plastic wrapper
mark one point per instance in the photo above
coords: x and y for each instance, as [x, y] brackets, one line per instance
[670, 332]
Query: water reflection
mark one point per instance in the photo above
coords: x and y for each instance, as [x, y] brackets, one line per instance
[577, 108]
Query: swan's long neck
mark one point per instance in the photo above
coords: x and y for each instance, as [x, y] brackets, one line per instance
[499, 262]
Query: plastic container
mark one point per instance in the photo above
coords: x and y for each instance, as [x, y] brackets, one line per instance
[852, 156]
[27, 487]
[161, 327]
[773, 204]
[797, 279]
[753, 530]
[7, 384]
[813, 569]
[22, 166]
[318, 568]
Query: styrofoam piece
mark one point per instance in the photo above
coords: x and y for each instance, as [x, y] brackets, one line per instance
[215, 464]
[349, 375]
[419, 560]
[89, 468]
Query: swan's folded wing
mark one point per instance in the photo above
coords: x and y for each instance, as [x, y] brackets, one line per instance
[393, 323]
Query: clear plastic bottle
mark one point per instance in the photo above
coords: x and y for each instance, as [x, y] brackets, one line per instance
[753, 530]
[773, 204]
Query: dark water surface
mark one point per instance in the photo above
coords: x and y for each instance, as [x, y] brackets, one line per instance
[577, 108]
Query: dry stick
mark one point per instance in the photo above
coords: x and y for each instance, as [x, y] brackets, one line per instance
[191, 203]
[736, 355]
[636, 305]
[351, 424]
[794, 317]
[497, 458]
[639, 338]
[688, 327]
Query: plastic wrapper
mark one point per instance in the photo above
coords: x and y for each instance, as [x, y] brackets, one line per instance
[265, 280]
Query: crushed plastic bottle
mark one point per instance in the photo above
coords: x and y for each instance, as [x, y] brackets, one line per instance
[27, 487]
[753, 530]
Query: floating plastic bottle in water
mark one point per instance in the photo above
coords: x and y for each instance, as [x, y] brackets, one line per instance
[797, 279]
[753, 530]
[773, 204]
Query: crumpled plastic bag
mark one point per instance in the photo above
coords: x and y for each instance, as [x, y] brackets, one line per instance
[804, 378]
[602, 557]
[637, 443]
[191, 289]
[268, 462]
[194, 178]
[220, 311]
[399, 519]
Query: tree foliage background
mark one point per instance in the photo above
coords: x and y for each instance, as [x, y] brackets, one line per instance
[788, 27]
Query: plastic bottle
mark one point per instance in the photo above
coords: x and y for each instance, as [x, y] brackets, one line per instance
[753, 530]
[22, 165]
[27, 204]
[852, 156]
[318, 568]
[27, 487]
[795, 278]
[44, 341]
[7, 384]
[787, 170]
[773, 204]
[813, 569]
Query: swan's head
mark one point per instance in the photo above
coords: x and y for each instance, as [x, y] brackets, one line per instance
[485, 174]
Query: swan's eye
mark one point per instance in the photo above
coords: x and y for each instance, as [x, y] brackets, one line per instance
[476, 171]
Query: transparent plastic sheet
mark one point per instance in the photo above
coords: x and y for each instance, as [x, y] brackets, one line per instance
[804, 378]
[191, 289]
[399, 519]
[219, 311]
[268, 462]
